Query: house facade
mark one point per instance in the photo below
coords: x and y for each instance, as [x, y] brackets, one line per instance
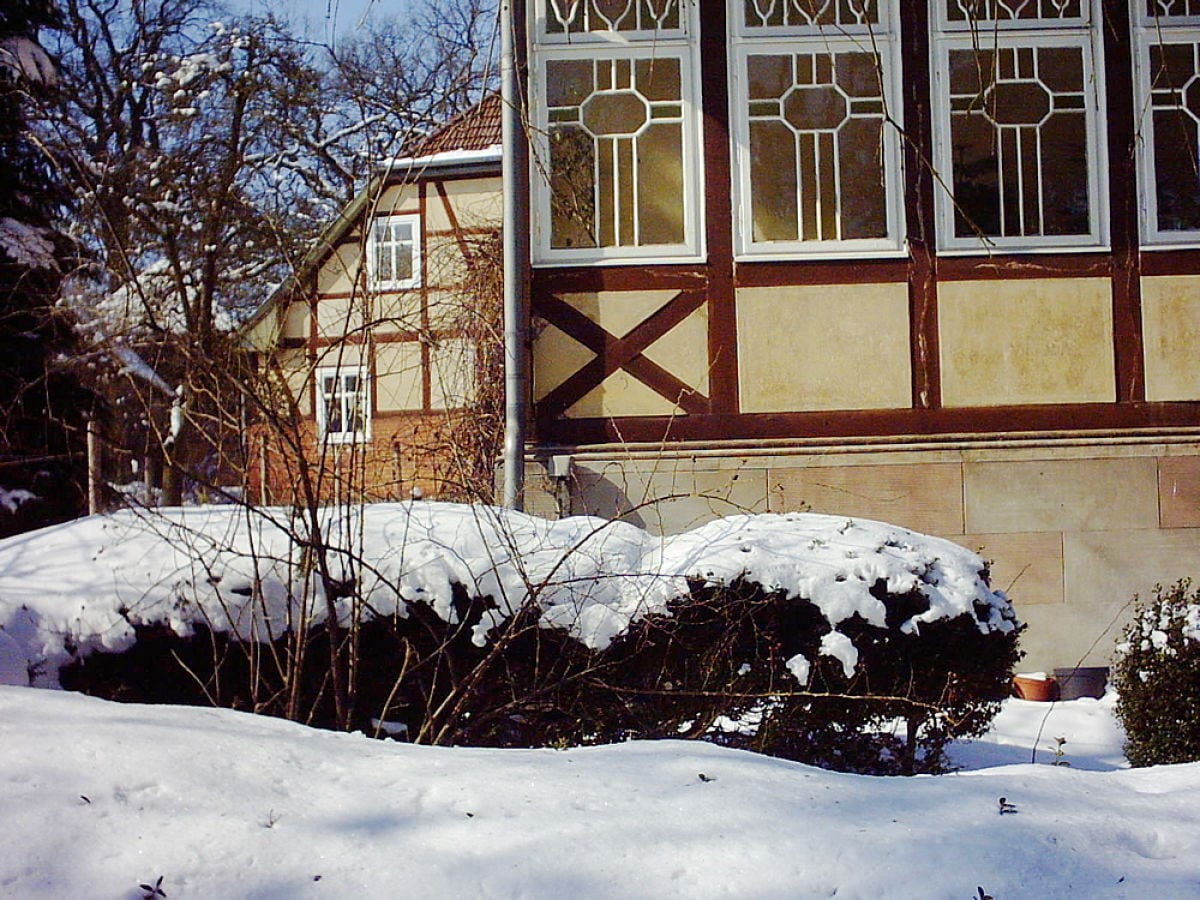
[933, 262]
[378, 353]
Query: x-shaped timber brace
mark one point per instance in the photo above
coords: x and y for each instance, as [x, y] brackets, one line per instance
[613, 353]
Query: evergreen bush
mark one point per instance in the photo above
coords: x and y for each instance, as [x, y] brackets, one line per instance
[1157, 677]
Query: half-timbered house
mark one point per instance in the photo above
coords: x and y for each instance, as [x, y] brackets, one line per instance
[935, 262]
[377, 353]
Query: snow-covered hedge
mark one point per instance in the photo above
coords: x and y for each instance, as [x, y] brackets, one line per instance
[471, 624]
[71, 589]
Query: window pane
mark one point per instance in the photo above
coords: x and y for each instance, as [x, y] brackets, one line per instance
[582, 16]
[1015, 10]
[816, 143]
[616, 152]
[1019, 142]
[1175, 102]
[809, 13]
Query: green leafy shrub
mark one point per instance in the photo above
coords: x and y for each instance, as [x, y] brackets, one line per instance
[1157, 677]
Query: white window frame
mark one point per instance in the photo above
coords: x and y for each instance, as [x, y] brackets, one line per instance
[883, 39]
[345, 399]
[677, 43]
[1150, 31]
[1085, 33]
[377, 282]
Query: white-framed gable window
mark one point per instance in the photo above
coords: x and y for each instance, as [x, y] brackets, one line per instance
[343, 405]
[394, 252]
[1018, 125]
[1167, 78]
[617, 168]
[816, 125]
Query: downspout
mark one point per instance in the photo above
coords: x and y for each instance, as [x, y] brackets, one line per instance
[515, 187]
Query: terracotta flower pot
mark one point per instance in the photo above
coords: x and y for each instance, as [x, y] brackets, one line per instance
[1042, 690]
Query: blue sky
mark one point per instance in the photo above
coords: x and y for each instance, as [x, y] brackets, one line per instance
[321, 20]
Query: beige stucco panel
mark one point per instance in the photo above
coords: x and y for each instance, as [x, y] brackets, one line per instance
[343, 354]
[556, 357]
[824, 347]
[296, 320]
[451, 373]
[1060, 495]
[924, 498]
[1171, 322]
[619, 312]
[620, 394]
[445, 265]
[1026, 341]
[398, 383]
[297, 373]
[396, 311]
[476, 203]
[398, 200]
[683, 351]
[1179, 492]
[1028, 567]
[340, 316]
[666, 500]
[340, 270]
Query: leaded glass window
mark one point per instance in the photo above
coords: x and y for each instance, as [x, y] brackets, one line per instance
[1168, 88]
[618, 170]
[817, 128]
[1018, 125]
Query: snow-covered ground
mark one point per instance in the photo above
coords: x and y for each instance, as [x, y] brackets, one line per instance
[105, 800]
[99, 798]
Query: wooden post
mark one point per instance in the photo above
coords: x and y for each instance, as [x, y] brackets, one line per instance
[93, 467]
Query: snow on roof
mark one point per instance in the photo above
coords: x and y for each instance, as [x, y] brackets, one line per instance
[470, 138]
[85, 585]
[445, 158]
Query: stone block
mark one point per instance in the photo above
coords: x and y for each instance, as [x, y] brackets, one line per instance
[668, 500]
[1060, 495]
[926, 497]
[1179, 491]
[1028, 567]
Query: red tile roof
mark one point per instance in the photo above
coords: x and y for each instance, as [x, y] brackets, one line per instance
[476, 128]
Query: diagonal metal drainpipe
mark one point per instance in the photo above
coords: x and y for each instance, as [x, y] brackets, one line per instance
[515, 187]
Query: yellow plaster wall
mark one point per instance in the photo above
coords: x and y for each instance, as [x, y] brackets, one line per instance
[556, 357]
[1026, 341]
[398, 384]
[823, 347]
[1171, 322]
[618, 313]
[338, 273]
[344, 354]
[296, 320]
[620, 394]
[397, 311]
[476, 202]
[451, 373]
[296, 371]
[340, 316]
[445, 265]
[399, 199]
[682, 351]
